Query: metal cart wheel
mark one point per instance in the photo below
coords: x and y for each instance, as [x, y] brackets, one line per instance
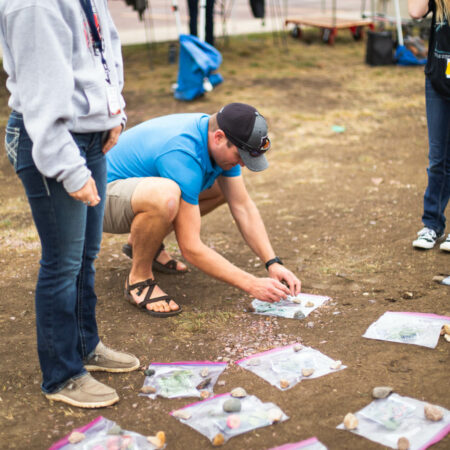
[329, 35]
[296, 32]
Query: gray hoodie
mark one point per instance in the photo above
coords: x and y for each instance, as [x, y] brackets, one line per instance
[57, 81]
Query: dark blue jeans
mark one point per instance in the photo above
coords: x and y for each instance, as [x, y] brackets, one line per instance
[70, 234]
[438, 189]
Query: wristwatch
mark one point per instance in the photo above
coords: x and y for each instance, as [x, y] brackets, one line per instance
[273, 261]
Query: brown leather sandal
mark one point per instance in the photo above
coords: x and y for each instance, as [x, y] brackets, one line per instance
[169, 267]
[143, 305]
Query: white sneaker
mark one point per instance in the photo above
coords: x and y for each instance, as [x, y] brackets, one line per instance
[445, 246]
[427, 238]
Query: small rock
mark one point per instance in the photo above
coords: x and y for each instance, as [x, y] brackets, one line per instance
[309, 304]
[402, 444]
[408, 295]
[148, 389]
[299, 315]
[381, 391]
[297, 347]
[336, 365]
[250, 308]
[433, 412]
[254, 362]
[447, 337]
[205, 372]
[310, 324]
[238, 392]
[203, 383]
[296, 300]
[218, 440]
[161, 436]
[232, 405]
[149, 372]
[75, 437]
[233, 421]
[115, 430]
[350, 421]
[182, 414]
[221, 383]
[155, 441]
[284, 384]
[274, 415]
[447, 328]
[204, 394]
[307, 371]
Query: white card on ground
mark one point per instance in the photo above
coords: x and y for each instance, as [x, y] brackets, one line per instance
[297, 307]
[284, 367]
[387, 420]
[408, 328]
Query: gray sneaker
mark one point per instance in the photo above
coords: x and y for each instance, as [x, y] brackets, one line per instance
[85, 392]
[108, 360]
[426, 239]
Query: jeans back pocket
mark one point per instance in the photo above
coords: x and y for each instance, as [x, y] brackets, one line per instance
[12, 144]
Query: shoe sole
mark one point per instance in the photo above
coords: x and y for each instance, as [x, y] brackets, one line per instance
[62, 398]
[443, 249]
[92, 368]
[423, 247]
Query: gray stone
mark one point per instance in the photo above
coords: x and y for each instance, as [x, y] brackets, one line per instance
[232, 405]
[203, 383]
[381, 391]
[149, 372]
[299, 315]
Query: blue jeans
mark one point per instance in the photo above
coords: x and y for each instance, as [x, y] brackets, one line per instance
[438, 190]
[70, 234]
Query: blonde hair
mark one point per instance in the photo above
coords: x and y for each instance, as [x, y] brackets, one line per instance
[442, 10]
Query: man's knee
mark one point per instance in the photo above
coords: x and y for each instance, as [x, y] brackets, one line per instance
[159, 195]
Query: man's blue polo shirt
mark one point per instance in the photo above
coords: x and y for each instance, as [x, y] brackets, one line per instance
[174, 147]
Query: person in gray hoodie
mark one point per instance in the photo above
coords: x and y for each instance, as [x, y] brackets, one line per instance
[64, 65]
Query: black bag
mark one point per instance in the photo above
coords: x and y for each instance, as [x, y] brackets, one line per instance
[380, 48]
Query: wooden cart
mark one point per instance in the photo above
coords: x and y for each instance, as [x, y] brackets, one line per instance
[330, 24]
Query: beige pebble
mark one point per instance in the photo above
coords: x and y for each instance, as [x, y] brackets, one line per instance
[350, 421]
[433, 412]
[447, 328]
[402, 444]
[309, 304]
[155, 441]
[336, 365]
[381, 391]
[284, 384]
[204, 394]
[274, 415]
[161, 436]
[148, 390]
[297, 347]
[218, 440]
[296, 300]
[238, 392]
[182, 414]
[205, 372]
[76, 437]
[447, 337]
[307, 371]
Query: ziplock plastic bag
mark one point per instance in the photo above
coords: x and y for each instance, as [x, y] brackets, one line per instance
[209, 418]
[297, 307]
[98, 437]
[183, 379]
[408, 328]
[309, 444]
[388, 419]
[283, 367]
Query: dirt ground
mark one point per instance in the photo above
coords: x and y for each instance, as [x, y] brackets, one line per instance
[341, 210]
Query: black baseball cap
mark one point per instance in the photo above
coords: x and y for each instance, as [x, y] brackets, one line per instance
[246, 128]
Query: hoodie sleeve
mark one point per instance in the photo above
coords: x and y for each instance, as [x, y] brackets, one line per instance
[41, 44]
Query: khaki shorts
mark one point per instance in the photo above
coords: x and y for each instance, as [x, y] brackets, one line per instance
[118, 211]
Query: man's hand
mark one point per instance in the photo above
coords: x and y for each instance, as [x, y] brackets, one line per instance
[280, 273]
[87, 194]
[112, 138]
[268, 290]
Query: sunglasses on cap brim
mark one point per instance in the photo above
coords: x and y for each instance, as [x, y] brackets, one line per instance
[255, 152]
